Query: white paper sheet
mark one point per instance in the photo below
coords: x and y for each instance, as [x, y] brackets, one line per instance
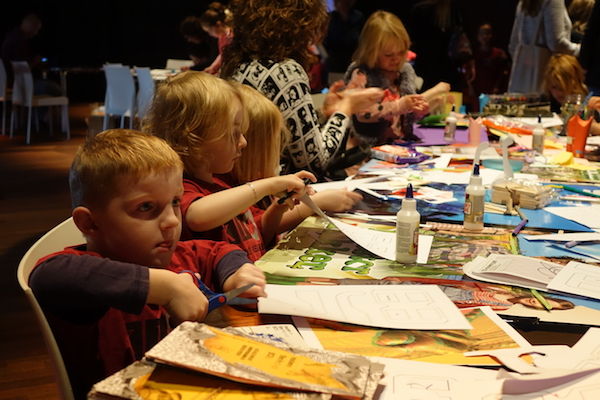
[404, 379]
[585, 215]
[394, 307]
[515, 270]
[442, 161]
[382, 243]
[578, 278]
[566, 237]
[585, 354]
[577, 385]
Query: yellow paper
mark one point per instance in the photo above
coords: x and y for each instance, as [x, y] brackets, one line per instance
[166, 384]
[270, 359]
[444, 347]
[458, 97]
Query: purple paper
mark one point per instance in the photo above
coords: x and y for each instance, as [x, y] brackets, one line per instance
[435, 136]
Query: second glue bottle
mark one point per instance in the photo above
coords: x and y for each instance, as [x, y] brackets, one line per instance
[474, 201]
[407, 229]
[537, 141]
[450, 126]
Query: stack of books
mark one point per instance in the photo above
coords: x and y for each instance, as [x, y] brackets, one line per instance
[200, 361]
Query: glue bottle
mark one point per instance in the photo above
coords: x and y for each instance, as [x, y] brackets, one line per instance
[450, 127]
[407, 229]
[474, 202]
[538, 137]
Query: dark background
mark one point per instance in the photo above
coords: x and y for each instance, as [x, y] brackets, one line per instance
[146, 33]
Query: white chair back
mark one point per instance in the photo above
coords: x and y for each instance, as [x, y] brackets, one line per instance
[3, 97]
[120, 94]
[2, 81]
[23, 96]
[22, 93]
[63, 235]
[145, 90]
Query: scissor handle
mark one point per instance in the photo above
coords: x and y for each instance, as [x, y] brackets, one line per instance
[214, 299]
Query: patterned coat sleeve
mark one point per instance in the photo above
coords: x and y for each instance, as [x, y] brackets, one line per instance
[310, 146]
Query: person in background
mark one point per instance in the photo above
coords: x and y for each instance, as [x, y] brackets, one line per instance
[110, 300]
[203, 118]
[545, 25]
[17, 46]
[258, 56]
[380, 61]
[579, 12]
[492, 65]
[564, 78]
[202, 49]
[345, 24]
[216, 21]
[590, 51]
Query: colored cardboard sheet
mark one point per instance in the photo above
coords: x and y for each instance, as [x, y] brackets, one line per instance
[317, 249]
[444, 346]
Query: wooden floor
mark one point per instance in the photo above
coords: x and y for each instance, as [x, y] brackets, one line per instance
[34, 196]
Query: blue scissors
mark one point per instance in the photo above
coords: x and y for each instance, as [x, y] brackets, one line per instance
[216, 300]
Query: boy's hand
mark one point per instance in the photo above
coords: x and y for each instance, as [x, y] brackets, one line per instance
[178, 294]
[247, 273]
[336, 200]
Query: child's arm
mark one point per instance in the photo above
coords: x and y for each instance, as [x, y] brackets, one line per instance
[218, 208]
[336, 200]
[81, 287]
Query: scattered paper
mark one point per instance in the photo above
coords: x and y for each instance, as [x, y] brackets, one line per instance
[394, 307]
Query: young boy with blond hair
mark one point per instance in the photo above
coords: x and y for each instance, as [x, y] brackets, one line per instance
[109, 300]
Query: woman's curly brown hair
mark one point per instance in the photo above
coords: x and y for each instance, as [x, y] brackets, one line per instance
[273, 30]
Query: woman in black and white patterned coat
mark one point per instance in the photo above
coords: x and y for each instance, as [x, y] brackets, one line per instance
[270, 53]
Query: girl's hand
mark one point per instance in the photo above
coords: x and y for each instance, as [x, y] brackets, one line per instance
[409, 103]
[594, 103]
[336, 200]
[281, 186]
[247, 273]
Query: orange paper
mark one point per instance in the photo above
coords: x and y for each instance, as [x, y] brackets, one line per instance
[577, 133]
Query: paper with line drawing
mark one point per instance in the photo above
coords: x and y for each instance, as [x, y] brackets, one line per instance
[394, 306]
[578, 278]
